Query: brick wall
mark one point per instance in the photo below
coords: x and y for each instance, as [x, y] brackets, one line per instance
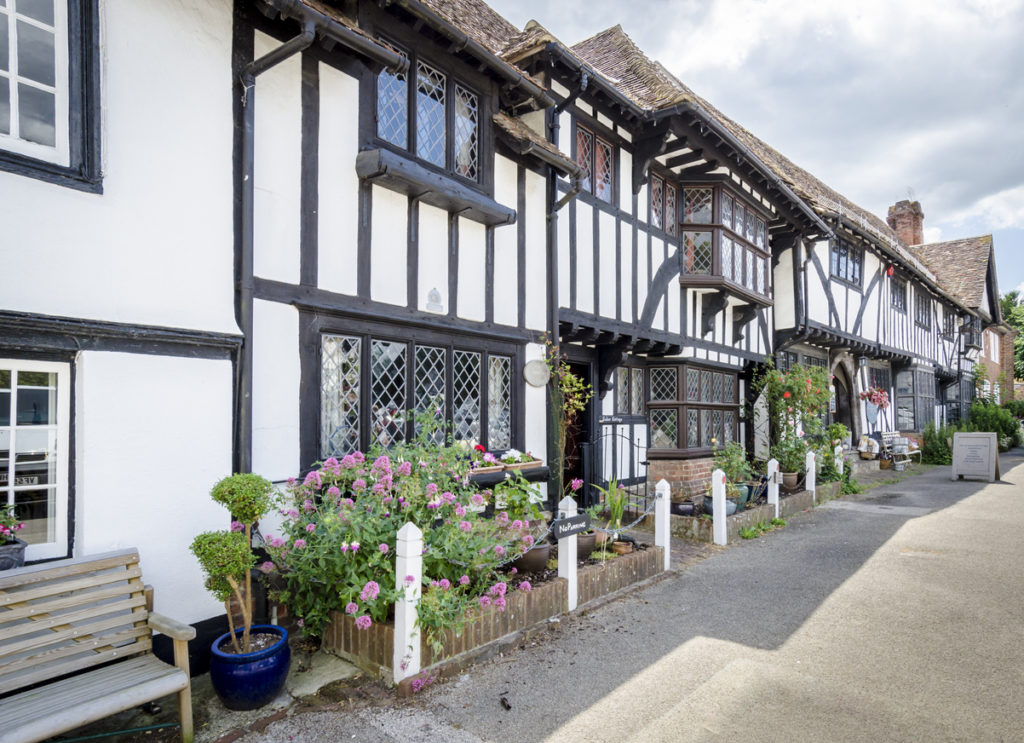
[1006, 359]
[687, 477]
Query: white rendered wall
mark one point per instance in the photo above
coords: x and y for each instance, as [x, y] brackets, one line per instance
[626, 274]
[564, 274]
[609, 277]
[536, 252]
[784, 293]
[536, 405]
[506, 245]
[162, 229]
[432, 233]
[584, 257]
[152, 436]
[338, 205]
[277, 166]
[641, 270]
[275, 391]
[472, 270]
[625, 191]
[389, 247]
[817, 293]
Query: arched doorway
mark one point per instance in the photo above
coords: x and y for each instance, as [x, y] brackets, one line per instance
[842, 388]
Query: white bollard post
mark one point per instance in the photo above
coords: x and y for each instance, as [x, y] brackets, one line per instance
[811, 473]
[567, 563]
[773, 484]
[405, 658]
[837, 453]
[718, 505]
[662, 532]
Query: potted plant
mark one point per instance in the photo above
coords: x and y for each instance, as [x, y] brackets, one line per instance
[513, 459]
[12, 549]
[791, 451]
[732, 460]
[482, 461]
[249, 664]
[875, 399]
[520, 500]
[615, 497]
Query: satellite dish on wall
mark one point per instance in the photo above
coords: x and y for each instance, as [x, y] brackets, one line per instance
[536, 373]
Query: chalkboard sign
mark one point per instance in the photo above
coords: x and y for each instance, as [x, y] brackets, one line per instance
[562, 528]
[976, 456]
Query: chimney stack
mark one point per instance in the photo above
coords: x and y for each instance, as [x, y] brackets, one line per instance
[907, 219]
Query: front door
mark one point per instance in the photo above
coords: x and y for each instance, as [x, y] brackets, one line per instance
[841, 388]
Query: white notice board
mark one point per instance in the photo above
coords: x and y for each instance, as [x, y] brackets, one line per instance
[976, 456]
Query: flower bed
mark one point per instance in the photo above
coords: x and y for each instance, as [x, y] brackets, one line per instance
[372, 650]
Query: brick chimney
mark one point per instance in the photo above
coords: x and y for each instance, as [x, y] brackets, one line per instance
[907, 219]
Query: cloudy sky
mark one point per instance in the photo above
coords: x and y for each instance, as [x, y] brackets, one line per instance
[882, 100]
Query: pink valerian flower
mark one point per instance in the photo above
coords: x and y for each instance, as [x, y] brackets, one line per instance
[448, 497]
[444, 583]
[500, 603]
[382, 463]
[237, 526]
[370, 591]
[405, 469]
[299, 544]
[499, 550]
[307, 505]
[347, 502]
[498, 589]
[267, 566]
[310, 528]
[313, 478]
[431, 489]
[460, 510]
[576, 484]
[292, 513]
[359, 457]
[434, 584]
[380, 487]
[383, 548]
[464, 580]
[484, 601]
[465, 526]
[525, 586]
[348, 461]
[410, 579]
[517, 524]
[292, 482]
[363, 622]
[478, 500]
[514, 571]
[351, 607]
[528, 540]
[502, 518]
[359, 485]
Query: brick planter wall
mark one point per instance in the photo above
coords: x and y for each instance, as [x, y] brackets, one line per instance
[687, 477]
[371, 649]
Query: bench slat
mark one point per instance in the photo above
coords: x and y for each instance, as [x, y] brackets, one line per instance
[66, 568]
[11, 616]
[66, 632]
[43, 666]
[57, 587]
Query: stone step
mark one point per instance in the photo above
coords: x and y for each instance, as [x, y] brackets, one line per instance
[860, 466]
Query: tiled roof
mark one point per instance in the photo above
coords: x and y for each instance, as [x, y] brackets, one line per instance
[478, 20]
[960, 266]
[517, 130]
[522, 44]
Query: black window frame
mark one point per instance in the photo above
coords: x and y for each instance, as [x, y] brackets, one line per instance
[949, 323]
[452, 80]
[596, 136]
[843, 256]
[670, 222]
[922, 308]
[83, 171]
[625, 403]
[685, 403]
[898, 293]
[880, 377]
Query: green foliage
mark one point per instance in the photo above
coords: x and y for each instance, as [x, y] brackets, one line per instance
[762, 526]
[828, 469]
[1016, 408]
[778, 521]
[797, 399]
[837, 433]
[791, 452]
[850, 486]
[1013, 315]
[246, 496]
[223, 555]
[934, 449]
[615, 502]
[569, 397]
[518, 497]
[980, 376]
[996, 419]
[749, 532]
[732, 460]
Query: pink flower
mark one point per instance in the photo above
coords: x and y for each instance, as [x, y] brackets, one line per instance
[498, 589]
[299, 544]
[528, 540]
[382, 463]
[525, 586]
[370, 591]
[348, 461]
[431, 489]
[311, 528]
[237, 526]
[313, 478]
[460, 510]
[267, 566]
[332, 491]
[275, 541]
[354, 546]
[490, 458]
[292, 513]
[359, 484]
[351, 607]
[358, 456]
[514, 571]
[307, 505]
[405, 469]
[464, 580]
[485, 601]
[445, 583]
[499, 550]
[363, 622]
[576, 483]
[517, 524]
[383, 548]
[344, 547]
[465, 526]
[478, 500]
[500, 603]
[502, 518]
[410, 579]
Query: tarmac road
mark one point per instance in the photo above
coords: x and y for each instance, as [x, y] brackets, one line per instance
[892, 616]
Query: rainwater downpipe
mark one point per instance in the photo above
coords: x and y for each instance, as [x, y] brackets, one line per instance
[243, 433]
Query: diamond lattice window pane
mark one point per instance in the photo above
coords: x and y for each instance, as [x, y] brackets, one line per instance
[761, 276]
[585, 156]
[727, 211]
[637, 392]
[692, 384]
[729, 395]
[671, 215]
[737, 262]
[716, 387]
[499, 402]
[387, 392]
[716, 426]
[340, 365]
[751, 229]
[393, 108]
[692, 430]
[727, 257]
[697, 252]
[705, 386]
[750, 270]
[466, 396]
[738, 215]
[657, 202]
[603, 164]
[466, 111]
[706, 433]
[663, 383]
[730, 428]
[697, 205]
[664, 428]
[429, 387]
[430, 130]
[760, 239]
[622, 390]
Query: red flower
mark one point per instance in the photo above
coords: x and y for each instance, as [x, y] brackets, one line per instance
[785, 394]
[479, 447]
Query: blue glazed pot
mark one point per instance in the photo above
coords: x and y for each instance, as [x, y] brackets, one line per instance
[250, 680]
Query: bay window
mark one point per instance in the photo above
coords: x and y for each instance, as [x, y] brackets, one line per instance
[689, 406]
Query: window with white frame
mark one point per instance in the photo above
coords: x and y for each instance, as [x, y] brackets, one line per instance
[373, 389]
[35, 422]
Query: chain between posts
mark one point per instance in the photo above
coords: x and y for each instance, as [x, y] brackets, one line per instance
[616, 532]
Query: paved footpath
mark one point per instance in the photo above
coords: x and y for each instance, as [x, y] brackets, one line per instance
[891, 616]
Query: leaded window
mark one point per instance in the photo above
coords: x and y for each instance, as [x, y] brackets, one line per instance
[786, 360]
[671, 217]
[629, 391]
[847, 263]
[922, 308]
[706, 402]
[664, 197]
[697, 205]
[905, 400]
[898, 291]
[438, 119]
[815, 361]
[879, 377]
[948, 323]
[596, 158]
[697, 253]
[380, 392]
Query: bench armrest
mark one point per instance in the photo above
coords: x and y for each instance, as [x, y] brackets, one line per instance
[171, 628]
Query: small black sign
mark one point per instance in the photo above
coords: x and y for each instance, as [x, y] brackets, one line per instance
[562, 528]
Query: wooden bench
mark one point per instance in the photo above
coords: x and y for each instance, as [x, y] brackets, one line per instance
[888, 439]
[76, 646]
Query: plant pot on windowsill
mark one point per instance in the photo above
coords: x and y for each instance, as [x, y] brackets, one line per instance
[12, 554]
[487, 468]
[524, 465]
